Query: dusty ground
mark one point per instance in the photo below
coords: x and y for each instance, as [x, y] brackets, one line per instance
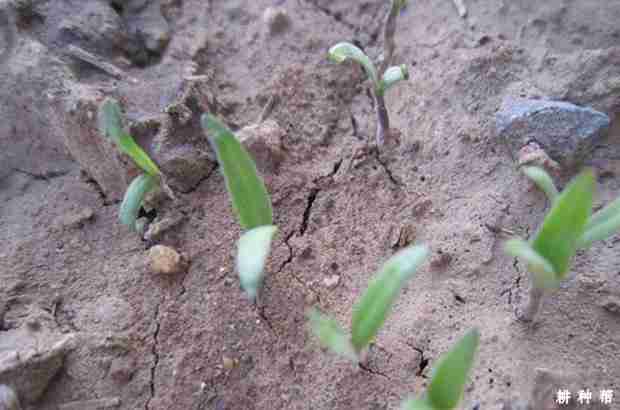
[160, 343]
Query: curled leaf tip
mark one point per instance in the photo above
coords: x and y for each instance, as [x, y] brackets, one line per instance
[344, 50]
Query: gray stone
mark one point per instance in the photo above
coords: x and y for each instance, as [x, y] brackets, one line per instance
[567, 132]
[146, 25]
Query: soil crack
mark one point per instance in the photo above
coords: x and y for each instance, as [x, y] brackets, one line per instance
[155, 354]
[387, 170]
[370, 370]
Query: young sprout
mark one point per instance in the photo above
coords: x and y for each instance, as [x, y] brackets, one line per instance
[111, 126]
[381, 79]
[568, 226]
[372, 308]
[250, 201]
[449, 377]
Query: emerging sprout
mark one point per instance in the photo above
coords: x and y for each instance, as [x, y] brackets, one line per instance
[449, 377]
[111, 126]
[568, 226]
[250, 201]
[383, 78]
[373, 307]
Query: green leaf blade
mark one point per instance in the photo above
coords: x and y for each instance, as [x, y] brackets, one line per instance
[600, 231]
[344, 51]
[253, 250]
[557, 238]
[111, 126]
[331, 335]
[373, 307]
[452, 371]
[132, 201]
[543, 181]
[416, 404]
[246, 188]
[608, 212]
[141, 158]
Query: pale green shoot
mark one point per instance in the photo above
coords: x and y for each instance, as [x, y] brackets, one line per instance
[548, 254]
[449, 377]
[111, 126]
[383, 78]
[372, 309]
[253, 250]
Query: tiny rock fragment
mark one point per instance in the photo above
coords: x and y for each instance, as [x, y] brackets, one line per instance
[76, 219]
[8, 399]
[310, 298]
[228, 363]
[159, 227]
[611, 304]
[165, 260]
[532, 154]
[276, 19]
[332, 281]
[100, 404]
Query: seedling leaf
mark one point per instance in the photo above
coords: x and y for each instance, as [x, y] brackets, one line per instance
[601, 230]
[331, 335]
[544, 276]
[247, 190]
[139, 187]
[393, 75]
[416, 404]
[610, 211]
[111, 126]
[253, 250]
[344, 50]
[542, 181]
[558, 237]
[372, 309]
[451, 373]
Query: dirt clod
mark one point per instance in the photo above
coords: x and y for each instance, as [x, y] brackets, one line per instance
[276, 19]
[332, 281]
[165, 260]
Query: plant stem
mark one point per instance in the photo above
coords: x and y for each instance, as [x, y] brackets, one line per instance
[388, 36]
[528, 310]
[383, 121]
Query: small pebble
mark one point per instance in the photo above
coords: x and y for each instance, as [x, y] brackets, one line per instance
[332, 281]
[165, 260]
[228, 363]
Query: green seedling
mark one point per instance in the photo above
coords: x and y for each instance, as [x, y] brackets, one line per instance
[250, 201]
[449, 377]
[372, 309]
[111, 126]
[381, 79]
[568, 226]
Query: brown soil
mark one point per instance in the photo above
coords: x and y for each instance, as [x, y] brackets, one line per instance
[161, 342]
